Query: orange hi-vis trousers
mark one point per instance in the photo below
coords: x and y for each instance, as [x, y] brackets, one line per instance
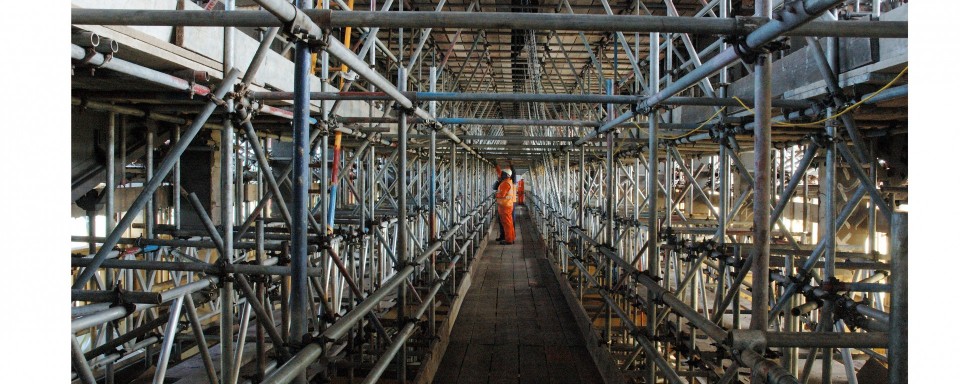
[520, 191]
[506, 195]
[505, 212]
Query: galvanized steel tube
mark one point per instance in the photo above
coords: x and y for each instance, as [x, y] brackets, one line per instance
[528, 97]
[432, 196]
[469, 20]
[139, 71]
[897, 349]
[227, 197]
[788, 19]
[402, 234]
[80, 365]
[763, 81]
[169, 335]
[809, 153]
[337, 330]
[653, 233]
[162, 171]
[299, 307]
[204, 351]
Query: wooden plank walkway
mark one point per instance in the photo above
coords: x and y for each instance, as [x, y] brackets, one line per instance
[514, 326]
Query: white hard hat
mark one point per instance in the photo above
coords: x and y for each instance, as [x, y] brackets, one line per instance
[509, 172]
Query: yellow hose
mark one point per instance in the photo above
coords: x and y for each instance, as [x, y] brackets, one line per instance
[781, 124]
[346, 43]
[845, 110]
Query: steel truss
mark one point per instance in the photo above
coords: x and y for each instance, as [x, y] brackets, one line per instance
[353, 260]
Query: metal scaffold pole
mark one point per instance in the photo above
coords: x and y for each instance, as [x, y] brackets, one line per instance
[610, 204]
[762, 181]
[432, 201]
[299, 210]
[227, 215]
[161, 172]
[403, 257]
[581, 216]
[490, 20]
[356, 258]
[898, 306]
[653, 223]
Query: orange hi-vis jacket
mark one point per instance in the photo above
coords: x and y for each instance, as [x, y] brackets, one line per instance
[506, 193]
[520, 191]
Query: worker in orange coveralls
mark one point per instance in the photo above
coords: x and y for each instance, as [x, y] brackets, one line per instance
[506, 195]
[496, 184]
[520, 192]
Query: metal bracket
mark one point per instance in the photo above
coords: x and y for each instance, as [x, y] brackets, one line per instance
[223, 273]
[218, 101]
[802, 278]
[747, 54]
[297, 27]
[821, 138]
[242, 116]
[656, 295]
[846, 309]
[643, 110]
[405, 110]
[118, 302]
[91, 53]
[411, 263]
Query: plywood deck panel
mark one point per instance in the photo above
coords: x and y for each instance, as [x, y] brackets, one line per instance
[515, 326]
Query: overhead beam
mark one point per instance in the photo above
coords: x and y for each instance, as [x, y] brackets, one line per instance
[491, 20]
[528, 97]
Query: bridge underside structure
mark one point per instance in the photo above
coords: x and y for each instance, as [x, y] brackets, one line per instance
[275, 192]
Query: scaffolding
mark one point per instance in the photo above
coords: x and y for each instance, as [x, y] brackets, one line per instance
[712, 235]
